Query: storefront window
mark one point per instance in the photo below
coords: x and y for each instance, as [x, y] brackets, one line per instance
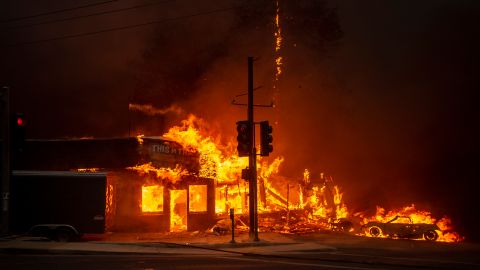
[197, 198]
[152, 199]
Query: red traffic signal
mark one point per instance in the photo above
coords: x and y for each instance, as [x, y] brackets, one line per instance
[20, 121]
[17, 131]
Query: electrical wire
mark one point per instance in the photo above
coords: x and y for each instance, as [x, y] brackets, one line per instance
[119, 28]
[88, 15]
[56, 11]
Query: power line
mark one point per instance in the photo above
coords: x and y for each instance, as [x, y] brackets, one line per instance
[89, 15]
[56, 11]
[119, 28]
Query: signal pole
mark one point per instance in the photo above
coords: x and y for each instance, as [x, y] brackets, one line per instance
[252, 159]
[5, 123]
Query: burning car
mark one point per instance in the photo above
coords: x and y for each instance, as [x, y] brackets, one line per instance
[407, 229]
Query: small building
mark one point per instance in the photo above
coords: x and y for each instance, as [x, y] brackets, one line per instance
[135, 201]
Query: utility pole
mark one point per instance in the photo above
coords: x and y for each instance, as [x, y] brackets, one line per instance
[252, 159]
[246, 147]
[5, 123]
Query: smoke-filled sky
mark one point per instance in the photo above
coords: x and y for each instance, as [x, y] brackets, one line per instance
[382, 95]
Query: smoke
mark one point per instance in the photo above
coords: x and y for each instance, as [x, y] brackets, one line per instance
[152, 111]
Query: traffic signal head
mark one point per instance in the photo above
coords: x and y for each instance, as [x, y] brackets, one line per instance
[244, 138]
[266, 138]
[17, 129]
[19, 121]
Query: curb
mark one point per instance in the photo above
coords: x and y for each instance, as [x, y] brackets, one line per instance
[32, 251]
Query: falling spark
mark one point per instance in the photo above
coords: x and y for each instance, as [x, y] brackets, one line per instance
[278, 57]
[88, 170]
[278, 44]
[140, 138]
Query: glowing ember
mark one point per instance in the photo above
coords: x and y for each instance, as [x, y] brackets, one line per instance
[278, 58]
[109, 209]
[278, 42]
[140, 139]
[88, 170]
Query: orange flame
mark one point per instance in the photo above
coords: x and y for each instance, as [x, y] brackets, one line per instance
[152, 199]
[172, 175]
[220, 163]
[446, 233]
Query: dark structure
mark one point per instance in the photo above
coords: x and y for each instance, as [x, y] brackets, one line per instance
[125, 188]
[45, 197]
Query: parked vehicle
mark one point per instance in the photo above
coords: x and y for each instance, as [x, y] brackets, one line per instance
[404, 229]
[59, 205]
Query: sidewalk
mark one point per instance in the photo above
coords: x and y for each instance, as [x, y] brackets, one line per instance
[149, 244]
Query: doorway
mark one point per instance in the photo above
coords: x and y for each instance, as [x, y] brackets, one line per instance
[178, 210]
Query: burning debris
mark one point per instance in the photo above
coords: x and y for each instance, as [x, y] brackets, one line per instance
[285, 205]
[415, 223]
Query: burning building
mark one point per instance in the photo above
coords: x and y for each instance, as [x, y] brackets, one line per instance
[186, 180]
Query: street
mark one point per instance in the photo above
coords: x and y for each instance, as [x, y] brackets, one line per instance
[228, 261]
[274, 251]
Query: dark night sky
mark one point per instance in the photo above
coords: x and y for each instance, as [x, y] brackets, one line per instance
[390, 110]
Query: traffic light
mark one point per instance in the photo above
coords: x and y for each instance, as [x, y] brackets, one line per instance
[17, 128]
[266, 138]
[244, 138]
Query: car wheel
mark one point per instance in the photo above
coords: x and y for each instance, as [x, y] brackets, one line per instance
[430, 235]
[375, 231]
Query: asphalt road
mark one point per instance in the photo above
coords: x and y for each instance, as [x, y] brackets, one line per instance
[308, 251]
[141, 262]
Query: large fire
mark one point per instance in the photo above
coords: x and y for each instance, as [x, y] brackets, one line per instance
[300, 205]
